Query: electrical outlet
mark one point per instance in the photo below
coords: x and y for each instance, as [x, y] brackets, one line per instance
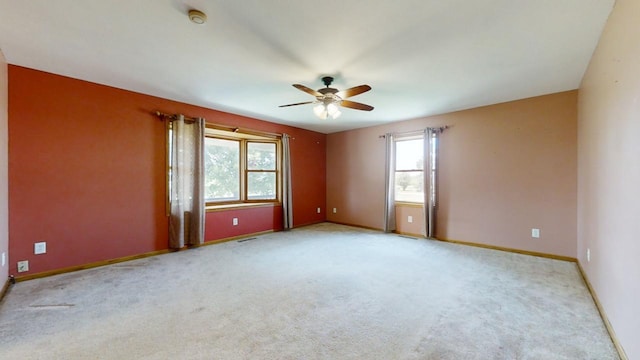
[40, 248]
[23, 266]
[335, 210]
[410, 219]
[318, 210]
[235, 221]
[588, 255]
[4, 259]
[535, 233]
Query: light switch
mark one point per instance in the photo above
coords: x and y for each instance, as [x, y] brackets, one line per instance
[40, 248]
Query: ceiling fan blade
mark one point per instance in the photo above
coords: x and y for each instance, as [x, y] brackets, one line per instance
[307, 90]
[356, 105]
[302, 103]
[353, 91]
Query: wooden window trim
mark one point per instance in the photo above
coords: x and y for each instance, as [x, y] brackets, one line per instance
[409, 204]
[244, 139]
[223, 207]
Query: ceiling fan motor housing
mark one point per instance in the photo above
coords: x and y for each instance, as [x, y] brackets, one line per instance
[327, 80]
[328, 95]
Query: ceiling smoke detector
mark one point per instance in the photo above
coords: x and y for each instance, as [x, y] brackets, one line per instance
[197, 17]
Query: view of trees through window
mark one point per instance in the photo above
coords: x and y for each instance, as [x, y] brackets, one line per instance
[261, 171]
[409, 176]
[222, 169]
[227, 173]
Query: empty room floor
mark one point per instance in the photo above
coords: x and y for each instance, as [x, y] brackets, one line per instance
[324, 291]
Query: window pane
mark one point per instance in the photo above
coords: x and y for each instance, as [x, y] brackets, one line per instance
[408, 177]
[261, 185]
[222, 170]
[261, 156]
[409, 154]
[409, 186]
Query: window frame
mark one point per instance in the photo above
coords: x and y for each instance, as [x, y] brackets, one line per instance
[245, 145]
[244, 139]
[396, 171]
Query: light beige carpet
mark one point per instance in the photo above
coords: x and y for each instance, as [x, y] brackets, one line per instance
[320, 292]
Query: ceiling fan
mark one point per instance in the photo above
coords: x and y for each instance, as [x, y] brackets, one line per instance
[328, 99]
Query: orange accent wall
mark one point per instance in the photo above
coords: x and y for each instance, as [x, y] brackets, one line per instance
[87, 172]
[504, 169]
[219, 224]
[609, 173]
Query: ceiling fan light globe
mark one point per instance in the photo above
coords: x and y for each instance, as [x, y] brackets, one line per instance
[321, 111]
[332, 109]
[336, 114]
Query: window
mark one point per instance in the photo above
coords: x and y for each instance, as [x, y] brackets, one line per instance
[261, 171]
[241, 168]
[222, 169]
[409, 176]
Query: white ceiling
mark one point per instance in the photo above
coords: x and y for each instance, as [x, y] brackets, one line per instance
[421, 57]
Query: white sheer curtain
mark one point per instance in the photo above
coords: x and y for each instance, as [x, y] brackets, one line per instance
[287, 201]
[389, 184]
[430, 168]
[186, 183]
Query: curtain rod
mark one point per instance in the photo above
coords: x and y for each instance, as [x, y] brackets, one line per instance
[173, 117]
[242, 131]
[440, 128]
[234, 129]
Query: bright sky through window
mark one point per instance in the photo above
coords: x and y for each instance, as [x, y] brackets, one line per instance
[408, 173]
[408, 154]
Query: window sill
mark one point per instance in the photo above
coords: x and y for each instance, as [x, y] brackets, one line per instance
[213, 208]
[408, 204]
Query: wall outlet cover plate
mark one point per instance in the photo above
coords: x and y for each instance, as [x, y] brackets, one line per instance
[23, 266]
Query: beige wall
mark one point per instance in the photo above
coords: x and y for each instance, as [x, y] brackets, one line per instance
[4, 211]
[403, 226]
[504, 169]
[609, 172]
